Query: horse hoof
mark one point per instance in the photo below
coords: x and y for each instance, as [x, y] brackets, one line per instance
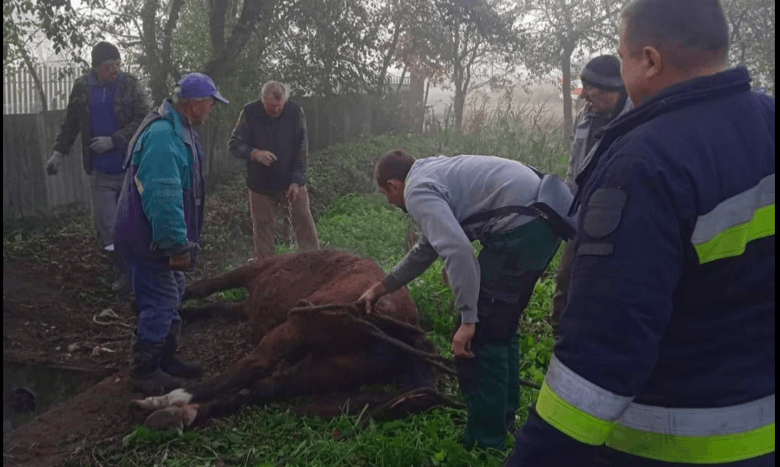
[174, 417]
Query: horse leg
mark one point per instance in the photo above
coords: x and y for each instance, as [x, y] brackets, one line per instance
[234, 279]
[231, 311]
[284, 341]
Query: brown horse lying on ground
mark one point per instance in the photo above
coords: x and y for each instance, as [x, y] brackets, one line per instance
[307, 352]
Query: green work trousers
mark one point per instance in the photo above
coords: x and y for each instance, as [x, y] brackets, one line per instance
[510, 265]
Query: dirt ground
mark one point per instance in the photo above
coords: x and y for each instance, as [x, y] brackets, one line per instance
[50, 308]
[52, 305]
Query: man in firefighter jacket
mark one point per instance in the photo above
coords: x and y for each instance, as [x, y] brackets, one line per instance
[667, 345]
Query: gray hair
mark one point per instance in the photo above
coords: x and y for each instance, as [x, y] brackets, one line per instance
[179, 101]
[276, 90]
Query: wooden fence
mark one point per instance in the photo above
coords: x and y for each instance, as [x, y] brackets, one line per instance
[27, 190]
[28, 140]
[21, 97]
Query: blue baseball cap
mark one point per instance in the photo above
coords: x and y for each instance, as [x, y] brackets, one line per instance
[197, 85]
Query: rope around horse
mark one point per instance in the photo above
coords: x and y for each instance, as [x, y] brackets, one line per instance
[360, 318]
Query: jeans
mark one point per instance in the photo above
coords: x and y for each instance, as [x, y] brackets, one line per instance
[158, 294]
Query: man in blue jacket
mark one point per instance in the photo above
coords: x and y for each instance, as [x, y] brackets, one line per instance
[158, 226]
[106, 106]
[667, 345]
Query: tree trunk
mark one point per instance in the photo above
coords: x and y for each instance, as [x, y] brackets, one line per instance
[157, 78]
[566, 68]
[401, 80]
[458, 103]
[421, 127]
[36, 79]
[223, 61]
[388, 58]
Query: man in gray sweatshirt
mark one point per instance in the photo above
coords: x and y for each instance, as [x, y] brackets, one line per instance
[454, 201]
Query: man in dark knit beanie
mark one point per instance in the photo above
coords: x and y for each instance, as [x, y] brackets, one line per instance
[102, 52]
[105, 106]
[603, 91]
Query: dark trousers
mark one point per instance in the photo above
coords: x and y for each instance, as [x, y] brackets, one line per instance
[562, 281]
[510, 265]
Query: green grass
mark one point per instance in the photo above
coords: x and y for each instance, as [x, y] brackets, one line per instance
[271, 436]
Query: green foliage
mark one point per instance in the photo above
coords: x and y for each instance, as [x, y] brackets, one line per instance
[365, 225]
[343, 169]
[65, 29]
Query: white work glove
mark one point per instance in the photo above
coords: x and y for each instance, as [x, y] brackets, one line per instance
[53, 164]
[101, 144]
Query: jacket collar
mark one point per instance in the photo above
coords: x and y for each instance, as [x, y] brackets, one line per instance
[680, 95]
[166, 112]
[180, 125]
[672, 98]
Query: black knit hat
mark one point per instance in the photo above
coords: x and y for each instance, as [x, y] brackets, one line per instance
[104, 51]
[603, 72]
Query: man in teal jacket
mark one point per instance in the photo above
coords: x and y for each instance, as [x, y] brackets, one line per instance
[158, 226]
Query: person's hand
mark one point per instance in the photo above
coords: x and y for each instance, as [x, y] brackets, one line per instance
[179, 263]
[101, 144]
[263, 157]
[292, 192]
[370, 297]
[461, 341]
[53, 164]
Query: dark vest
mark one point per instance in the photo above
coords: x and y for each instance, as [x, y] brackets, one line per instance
[281, 136]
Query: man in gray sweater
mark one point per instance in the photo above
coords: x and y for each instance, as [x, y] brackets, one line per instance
[454, 201]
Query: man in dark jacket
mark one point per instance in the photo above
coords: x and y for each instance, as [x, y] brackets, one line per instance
[602, 89]
[106, 106]
[158, 225]
[666, 353]
[270, 135]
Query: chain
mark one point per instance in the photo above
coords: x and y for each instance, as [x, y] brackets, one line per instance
[290, 230]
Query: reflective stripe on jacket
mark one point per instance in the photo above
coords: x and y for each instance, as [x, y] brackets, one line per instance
[666, 353]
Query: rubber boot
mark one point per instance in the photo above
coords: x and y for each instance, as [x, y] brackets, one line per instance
[146, 376]
[172, 365]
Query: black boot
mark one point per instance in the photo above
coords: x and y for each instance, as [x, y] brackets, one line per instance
[172, 365]
[146, 376]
